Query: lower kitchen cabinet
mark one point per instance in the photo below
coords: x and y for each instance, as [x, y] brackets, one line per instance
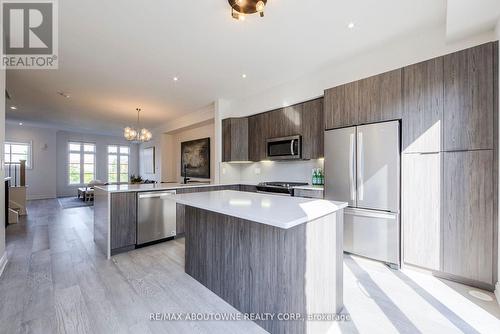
[123, 220]
[468, 229]
[421, 210]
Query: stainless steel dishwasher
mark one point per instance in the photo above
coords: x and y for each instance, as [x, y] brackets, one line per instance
[157, 216]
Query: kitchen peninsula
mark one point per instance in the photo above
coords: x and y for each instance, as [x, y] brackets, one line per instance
[267, 254]
[117, 212]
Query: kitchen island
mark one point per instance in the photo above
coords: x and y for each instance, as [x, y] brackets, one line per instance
[268, 254]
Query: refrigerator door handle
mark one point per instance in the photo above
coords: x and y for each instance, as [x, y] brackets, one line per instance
[291, 146]
[361, 168]
[352, 167]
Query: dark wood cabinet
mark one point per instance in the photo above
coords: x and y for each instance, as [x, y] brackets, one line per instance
[423, 107]
[248, 188]
[305, 119]
[285, 121]
[380, 97]
[312, 129]
[257, 135]
[468, 99]
[468, 202]
[123, 221]
[341, 106]
[235, 139]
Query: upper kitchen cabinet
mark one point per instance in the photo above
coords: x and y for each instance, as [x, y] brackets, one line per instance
[285, 121]
[257, 135]
[341, 106]
[469, 99]
[235, 139]
[423, 107]
[312, 129]
[380, 97]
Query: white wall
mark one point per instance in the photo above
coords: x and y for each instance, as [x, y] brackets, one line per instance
[41, 178]
[200, 132]
[63, 137]
[3, 256]
[163, 142]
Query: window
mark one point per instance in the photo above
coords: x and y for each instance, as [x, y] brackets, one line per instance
[17, 151]
[118, 157]
[81, 162]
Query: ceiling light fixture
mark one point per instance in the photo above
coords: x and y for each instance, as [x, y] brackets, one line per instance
[137, 134]
[240, 8]
[21, 123]
[176, 79]
[13, 107]
[63, 94]
[244, 76]
[350, 25]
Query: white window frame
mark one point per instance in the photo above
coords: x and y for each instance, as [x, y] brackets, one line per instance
[29, 158]
[82, 153]
[118, 155]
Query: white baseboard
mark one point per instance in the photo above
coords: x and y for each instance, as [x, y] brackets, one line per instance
[3, 262]
[37, 197]
[497, 292]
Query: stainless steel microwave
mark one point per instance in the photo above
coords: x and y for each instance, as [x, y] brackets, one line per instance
[285, 148]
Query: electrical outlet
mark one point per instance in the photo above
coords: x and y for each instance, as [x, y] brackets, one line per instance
[257, 171]
[223, 170]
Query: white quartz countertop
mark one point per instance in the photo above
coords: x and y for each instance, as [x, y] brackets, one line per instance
[279, 211]
[117, 188]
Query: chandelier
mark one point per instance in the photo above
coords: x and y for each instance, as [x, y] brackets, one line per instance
[137, 134]
[239, 8]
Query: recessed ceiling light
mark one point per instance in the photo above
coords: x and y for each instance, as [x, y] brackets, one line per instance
[350, 25]
[244, 76]
[13, 107]
[176, 79]
[20, 123]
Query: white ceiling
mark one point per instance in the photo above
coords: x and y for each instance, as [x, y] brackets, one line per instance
[116, 55]
[468, 17]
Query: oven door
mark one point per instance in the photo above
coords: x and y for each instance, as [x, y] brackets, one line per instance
[286, 148]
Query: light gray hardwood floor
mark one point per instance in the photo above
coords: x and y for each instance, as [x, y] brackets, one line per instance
[57, 281]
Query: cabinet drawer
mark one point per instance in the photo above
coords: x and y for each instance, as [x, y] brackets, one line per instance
[308, 193]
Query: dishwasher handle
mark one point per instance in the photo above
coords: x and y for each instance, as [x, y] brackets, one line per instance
[161, 195]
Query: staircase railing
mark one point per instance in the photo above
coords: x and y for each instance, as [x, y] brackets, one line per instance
[17, 172]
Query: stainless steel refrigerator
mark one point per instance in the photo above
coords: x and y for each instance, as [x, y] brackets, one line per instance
[362, 167]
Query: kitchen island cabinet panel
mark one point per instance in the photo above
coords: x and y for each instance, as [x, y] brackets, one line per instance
[123, 221]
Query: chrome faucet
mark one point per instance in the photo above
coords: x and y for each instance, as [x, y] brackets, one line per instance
[186, 178]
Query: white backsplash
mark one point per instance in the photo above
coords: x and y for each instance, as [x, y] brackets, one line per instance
[290, 171]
